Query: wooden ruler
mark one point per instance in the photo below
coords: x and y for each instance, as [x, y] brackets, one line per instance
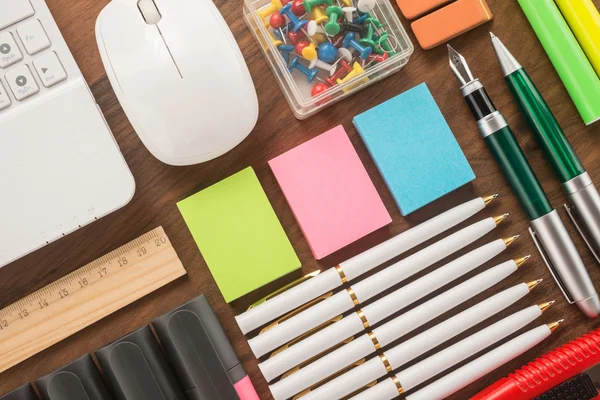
[86, 295]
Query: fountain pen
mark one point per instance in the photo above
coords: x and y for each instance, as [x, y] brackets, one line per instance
[547, 230]
[584, 207]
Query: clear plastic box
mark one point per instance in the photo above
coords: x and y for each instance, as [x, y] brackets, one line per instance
[295, 86]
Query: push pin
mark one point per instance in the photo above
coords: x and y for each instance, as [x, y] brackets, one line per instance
[307, 50]
[310, 4]
[316, 63]
[384, 43]
[349, 13]
[357, 70]
[343, 69]
[298, 8]
[361, 19]
[276, 42]
[351, 27]
[311, 74]
[348, 3]
[297, 23]
[345, 54]
[318, 89]
[319, 16]
[366, 6]
[296, 37]
[286, 50]
[327, 52]
[349, 41]
[270, 9]
[332, 27]
[377, 58]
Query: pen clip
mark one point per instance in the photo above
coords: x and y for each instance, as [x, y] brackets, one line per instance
[296, 312]
[546, 259]
[285, 288]
[572, 213]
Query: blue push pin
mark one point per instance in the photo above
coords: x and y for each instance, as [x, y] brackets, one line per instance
[285, 50]
[363, 51]
[327, 52]
[297, 22]
[360, 20]
[310, 73]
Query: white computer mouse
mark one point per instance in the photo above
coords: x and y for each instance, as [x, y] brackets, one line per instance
[179, 75]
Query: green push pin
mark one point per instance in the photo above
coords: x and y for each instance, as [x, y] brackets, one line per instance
[367, 40]
[310, 4]
[332, 28]
[385, 45]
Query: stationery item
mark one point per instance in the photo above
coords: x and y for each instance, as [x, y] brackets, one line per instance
[382, 336]
[25, 392]
[548, 371]
[75, 381]
[566, 55]
[424, 162]
[450, 21]
[412, 9]
[86, 295]
[351, 269]
[136, 368]
[413, 376]
[329, 192]
[287, 358]
[203, 358]
[584, 199]
[584, 386]
[239, 234]
[485, 364]
[584, 20]
[547, 230]
[366, 289]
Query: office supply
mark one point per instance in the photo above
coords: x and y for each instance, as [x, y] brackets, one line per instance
[312, 317]
[25, 392]
[185, 116]
[424, 162]
[56, 144]
[584, 208]
[347, 271]
[77, 380]
[136, 369]
[549, 233]
[584, 386]
[86, 295]
[584, 20]
[330, 192]
[205, 361]
[304, 79]
[450, 21]
[485, 364]
[533, 380]
[239, 234]
[412, 9]
[384, 335]
[370, 315]
[566, 55]
[439, 362]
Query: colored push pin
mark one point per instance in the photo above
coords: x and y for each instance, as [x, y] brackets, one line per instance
[349, 13]
[360, 20]
[349, 41]
[351, 27]
[286, 50]
[384, 43]
[296, 37]
[366, 6]
[343, 69]
[277, 21]
[319, 15]
[348, 3]
[307, 50]
[297, 23]
[327, 52]
[270, 9]
[276, 42]
[318, 89]
[357, 70]
[332, 27]
[316, 63]
[345, 54]
[367, 40]
[310, 4]
[377, 58]
[311, 74]
[298, 8]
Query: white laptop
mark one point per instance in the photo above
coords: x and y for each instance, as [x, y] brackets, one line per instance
[60, 167]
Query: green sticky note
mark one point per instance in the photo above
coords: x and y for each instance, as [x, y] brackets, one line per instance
[239, 235]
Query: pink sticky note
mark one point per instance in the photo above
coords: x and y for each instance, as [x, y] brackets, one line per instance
[330, 192]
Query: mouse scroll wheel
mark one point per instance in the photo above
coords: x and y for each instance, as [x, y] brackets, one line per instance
[149, 11]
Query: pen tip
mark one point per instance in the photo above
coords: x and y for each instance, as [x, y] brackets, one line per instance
[492, 35]
[547, 305]
[488, 199]
[533, 284]
[501, 218]
[554, 325]
[522, 260]
[510, 240]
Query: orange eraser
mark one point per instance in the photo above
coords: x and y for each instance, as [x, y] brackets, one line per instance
[412, 9]
[450, 22]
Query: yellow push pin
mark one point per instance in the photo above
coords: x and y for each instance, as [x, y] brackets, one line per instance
[319, 15]
[274, 7]
[357, 70]
[348, 3]
[276, 42]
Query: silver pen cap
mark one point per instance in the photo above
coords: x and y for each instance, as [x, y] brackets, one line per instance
[584, 210]
[565, 264]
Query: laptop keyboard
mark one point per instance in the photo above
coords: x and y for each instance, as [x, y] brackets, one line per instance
[22, 34]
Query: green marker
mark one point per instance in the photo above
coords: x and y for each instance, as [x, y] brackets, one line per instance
[584, 209]
[547, 230]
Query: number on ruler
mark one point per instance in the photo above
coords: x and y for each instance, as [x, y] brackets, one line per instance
[122, 261]
[83, 283]
[63, 293]
[102, 272]
[141, 251]
[160, 241]
[43, 303]
[3, 324]
[24, 313]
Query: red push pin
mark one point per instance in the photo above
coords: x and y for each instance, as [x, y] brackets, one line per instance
[296, 37]
[377, 58]
[298, 8]
[318, 89]
[342, 71]
[301, 45]
[277, 21]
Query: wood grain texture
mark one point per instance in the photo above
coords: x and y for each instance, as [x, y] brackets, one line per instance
[159, 186]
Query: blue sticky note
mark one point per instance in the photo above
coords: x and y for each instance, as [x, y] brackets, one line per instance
[414, 149]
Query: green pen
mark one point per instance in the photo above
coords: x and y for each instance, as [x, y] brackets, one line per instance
[584, 207]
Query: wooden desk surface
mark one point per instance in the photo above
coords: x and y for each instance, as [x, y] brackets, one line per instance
[160, 186]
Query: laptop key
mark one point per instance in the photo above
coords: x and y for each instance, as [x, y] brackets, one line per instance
[13, 11]
[49, 69]
[9, 51]
[22, 82]
[33, 36]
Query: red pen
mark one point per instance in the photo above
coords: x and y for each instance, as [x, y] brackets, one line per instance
[548, 371]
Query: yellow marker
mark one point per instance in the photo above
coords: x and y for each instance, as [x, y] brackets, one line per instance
[319, 15]
[357, 69]
[584, 20]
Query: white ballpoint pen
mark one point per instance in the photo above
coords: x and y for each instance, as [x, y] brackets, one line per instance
[402, 354]
[375, 312]
[390, 331]
[368, 288]
[469, 373]
[351, 269]
[412, 377]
